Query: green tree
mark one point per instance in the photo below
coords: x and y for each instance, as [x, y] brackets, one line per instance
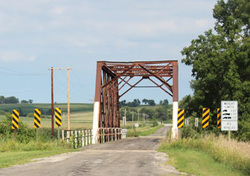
[165, 102]
[11, 100]
[220, 61]
[151, 102]
[24, 102]
[145, 101]
[2, 99]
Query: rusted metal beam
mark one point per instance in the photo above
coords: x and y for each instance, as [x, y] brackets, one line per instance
[111, 77]
[160, 87]
[131, 87]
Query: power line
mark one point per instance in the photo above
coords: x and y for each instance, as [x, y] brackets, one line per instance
[68, 93]
[8, 71]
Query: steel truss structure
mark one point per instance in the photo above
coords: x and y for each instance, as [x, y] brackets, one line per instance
[113, 80]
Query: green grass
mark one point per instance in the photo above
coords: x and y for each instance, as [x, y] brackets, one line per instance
[209, 155]
[199, 163]
[142, 130]
[148, 131]
[8, 159]
[13, 152]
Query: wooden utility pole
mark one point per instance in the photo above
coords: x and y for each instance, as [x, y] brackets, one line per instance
[52, 105]
[68, 94]
[52, 100]
[68, 101]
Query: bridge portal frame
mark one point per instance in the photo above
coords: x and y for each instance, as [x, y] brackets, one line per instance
[111, 77]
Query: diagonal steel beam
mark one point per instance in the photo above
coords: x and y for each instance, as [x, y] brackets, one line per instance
[159, 78]
[131, 87]
[160, 86]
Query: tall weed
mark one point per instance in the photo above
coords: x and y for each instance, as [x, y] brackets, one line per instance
[234, 153]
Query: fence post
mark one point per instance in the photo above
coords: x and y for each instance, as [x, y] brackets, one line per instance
[75, 139]
[72, 134]
[86, 139]
[82, 138]
[63, 135]
[89, 136]
[68, 135]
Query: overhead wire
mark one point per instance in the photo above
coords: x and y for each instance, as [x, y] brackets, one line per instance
[9, 71]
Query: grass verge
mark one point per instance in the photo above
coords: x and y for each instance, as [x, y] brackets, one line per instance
[143, 131]
[209, 156]
[13, 152]
[199, 163]
[8, 159]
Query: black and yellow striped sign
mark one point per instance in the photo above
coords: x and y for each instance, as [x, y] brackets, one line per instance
[15, 119]
[205, 117]
[58, 117]
[180, 119]
[37, 118]
[219, 118]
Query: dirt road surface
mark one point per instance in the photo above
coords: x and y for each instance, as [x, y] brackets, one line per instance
[128, 157]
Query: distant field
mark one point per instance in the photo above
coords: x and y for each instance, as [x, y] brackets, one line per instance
[81, 115]
[45, 107]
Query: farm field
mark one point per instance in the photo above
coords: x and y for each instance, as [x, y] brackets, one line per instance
[77, 120]
[25, 109]
[81, 115]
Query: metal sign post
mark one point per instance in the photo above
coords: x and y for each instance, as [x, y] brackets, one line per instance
[58, 120]
[37, 121]
[196, 124]
[15, 121]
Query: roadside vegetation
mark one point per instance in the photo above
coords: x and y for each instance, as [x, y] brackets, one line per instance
[143, 130]
[221, 65]
[25, 147]
[221, 69]
[207, 154]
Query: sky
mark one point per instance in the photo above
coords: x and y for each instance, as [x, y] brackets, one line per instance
[37, 35]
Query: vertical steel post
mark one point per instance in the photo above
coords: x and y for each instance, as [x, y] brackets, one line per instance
[96, 116]
[175, 100]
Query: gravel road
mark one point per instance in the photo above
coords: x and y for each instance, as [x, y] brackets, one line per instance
[128, 157]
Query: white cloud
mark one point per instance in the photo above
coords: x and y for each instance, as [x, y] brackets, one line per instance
[57, 10]
[203, 23]
[15, 56]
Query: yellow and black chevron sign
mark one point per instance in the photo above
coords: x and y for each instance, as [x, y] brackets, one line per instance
[58, 117]
[205, 117]
[219, 118]
[180, 119]
[37, 118]
[15, 119]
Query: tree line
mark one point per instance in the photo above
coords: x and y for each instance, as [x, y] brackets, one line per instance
[137, 102]
[13, 100]
[162, 112]
[221, 64]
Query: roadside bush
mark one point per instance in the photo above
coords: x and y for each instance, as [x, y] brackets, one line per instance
[2, 112]
[23, 134]
[30, 115]
[155, 123]
[132, 133]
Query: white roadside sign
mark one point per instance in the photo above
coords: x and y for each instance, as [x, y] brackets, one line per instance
[136, 125]
[229, 115]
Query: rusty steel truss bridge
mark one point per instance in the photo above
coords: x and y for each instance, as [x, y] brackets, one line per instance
[114, 80]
